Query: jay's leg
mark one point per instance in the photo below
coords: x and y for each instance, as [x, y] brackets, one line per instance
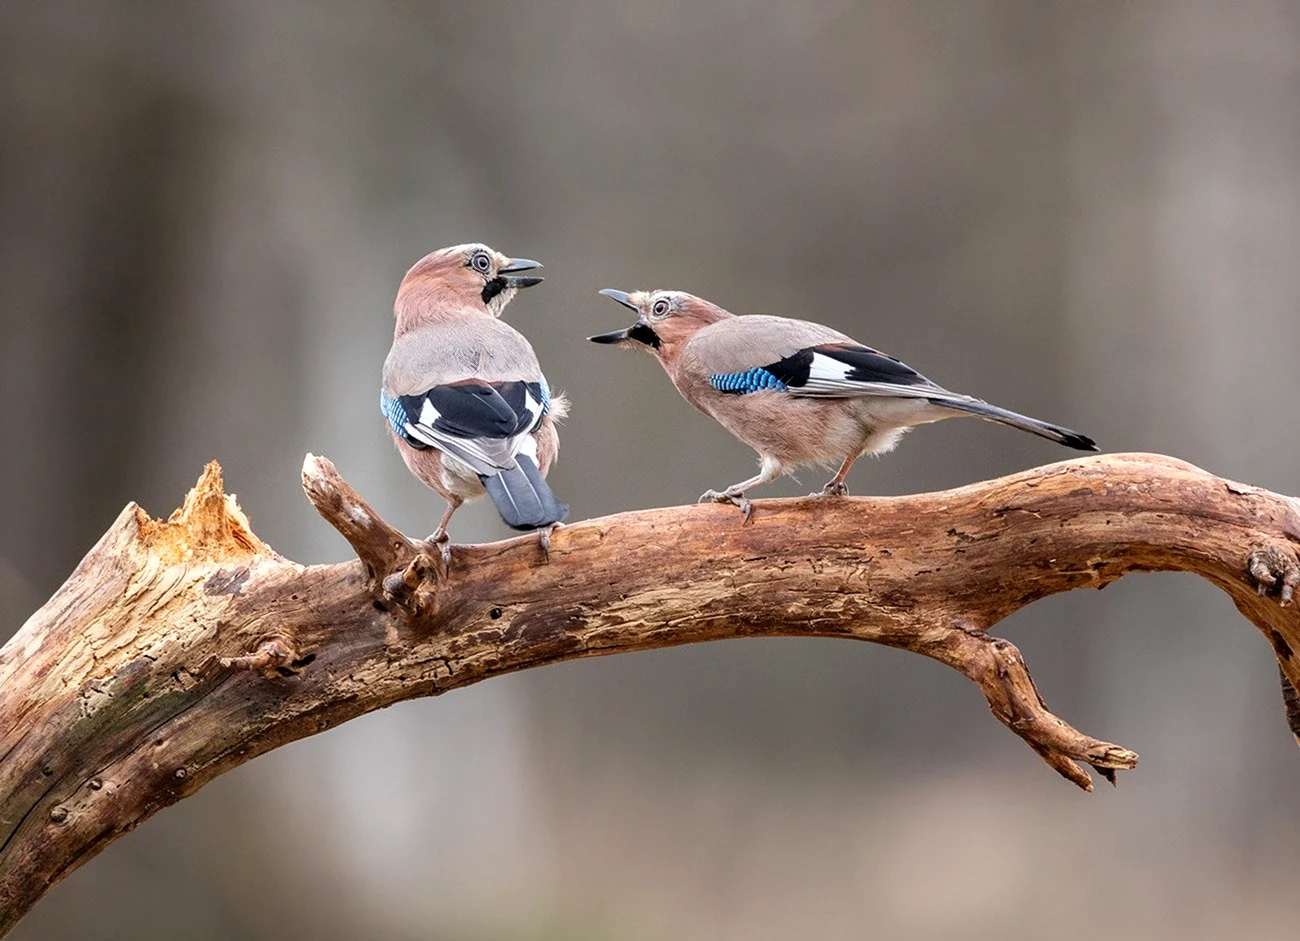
[440, 537]
[836, 487]
[735, 494]
[544, 536]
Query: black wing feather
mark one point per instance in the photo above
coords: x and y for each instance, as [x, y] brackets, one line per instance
[807, 369]
[474, 409]
[793, 370]
[870, 365]
[470, 410]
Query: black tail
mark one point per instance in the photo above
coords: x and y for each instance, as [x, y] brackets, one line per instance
[1071, 439]
[522, 497]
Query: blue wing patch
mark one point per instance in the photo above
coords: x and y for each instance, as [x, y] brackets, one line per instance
[751, 380]
[395, 412]
[545, 391]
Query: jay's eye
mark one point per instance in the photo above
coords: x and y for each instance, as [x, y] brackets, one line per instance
[481, 262]
[660, 308]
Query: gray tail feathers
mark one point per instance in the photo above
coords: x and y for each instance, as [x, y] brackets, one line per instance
[522, 497]
[1071, 439]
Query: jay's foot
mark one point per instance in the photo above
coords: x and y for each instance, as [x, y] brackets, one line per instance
[1273, 572]
[443, 542]
[734, 497]
[832, 490]
[544, 538]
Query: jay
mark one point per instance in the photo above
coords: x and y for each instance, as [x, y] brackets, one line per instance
[464, 396]
[796, 392]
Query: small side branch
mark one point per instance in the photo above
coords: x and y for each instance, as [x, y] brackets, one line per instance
[274, 654]
[998, 669]
[380, 547]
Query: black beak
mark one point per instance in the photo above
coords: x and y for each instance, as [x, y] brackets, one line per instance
[640, 332]
[620, 296]
[520, 264]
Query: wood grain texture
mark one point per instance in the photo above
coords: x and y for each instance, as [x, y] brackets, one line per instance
[180, 649]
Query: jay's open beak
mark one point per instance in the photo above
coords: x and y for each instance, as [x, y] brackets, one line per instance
[520, 264]
[639, 332]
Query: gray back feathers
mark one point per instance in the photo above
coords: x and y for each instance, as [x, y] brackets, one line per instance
[473, 346]
[752, 340]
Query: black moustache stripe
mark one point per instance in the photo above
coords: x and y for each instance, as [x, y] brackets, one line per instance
[493, 288]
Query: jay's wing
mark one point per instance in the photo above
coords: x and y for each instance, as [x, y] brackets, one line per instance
[848, 370]
[831, 370]
[469, 386]
[485, 424]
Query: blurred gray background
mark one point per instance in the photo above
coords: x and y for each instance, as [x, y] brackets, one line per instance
[1089, 212]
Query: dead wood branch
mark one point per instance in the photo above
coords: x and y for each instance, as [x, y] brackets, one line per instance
[180, 649]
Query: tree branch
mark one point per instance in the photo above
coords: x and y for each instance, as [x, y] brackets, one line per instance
[180, 649]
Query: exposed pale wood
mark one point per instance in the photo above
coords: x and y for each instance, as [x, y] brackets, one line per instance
[180, 649]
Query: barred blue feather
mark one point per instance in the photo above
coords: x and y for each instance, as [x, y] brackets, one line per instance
[546, 394]
[751, 380]
[395, 412]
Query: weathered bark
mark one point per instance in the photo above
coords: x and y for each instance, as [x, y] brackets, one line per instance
[180, 649]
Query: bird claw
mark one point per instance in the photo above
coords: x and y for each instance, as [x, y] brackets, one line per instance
[544, 539]
[735, 498]
[443, 542]
[840, 489]
[1273, 571]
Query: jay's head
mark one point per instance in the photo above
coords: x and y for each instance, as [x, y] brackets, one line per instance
[472, 274]
[665, 320]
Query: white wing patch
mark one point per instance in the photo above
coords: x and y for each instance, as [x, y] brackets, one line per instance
[535, 408]
[829, 377]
